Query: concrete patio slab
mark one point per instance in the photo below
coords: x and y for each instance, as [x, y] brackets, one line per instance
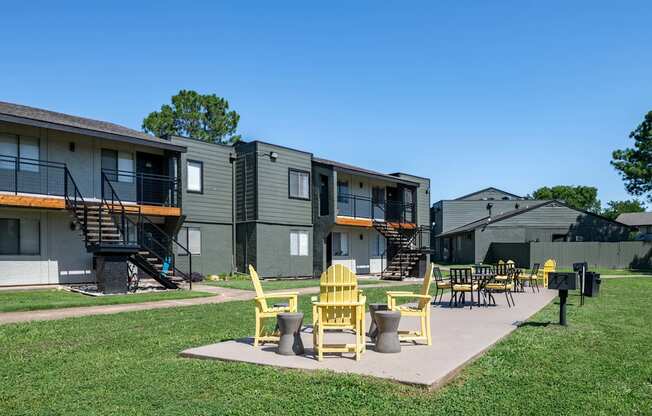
[459, 336]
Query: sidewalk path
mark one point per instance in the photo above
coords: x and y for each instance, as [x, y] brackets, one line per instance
[222, 294]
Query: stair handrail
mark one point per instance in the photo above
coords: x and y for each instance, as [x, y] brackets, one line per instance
[418, 231]
[169, 250]
[73, 203]
[122, 225]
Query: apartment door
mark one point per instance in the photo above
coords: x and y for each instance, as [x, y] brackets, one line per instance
[152, 187]
[393, 204]
[379, 205]
[328, 249]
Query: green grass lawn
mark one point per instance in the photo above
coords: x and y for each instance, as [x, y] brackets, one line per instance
[612, 272]
[278, 284]
[128, 364]
[29, 300]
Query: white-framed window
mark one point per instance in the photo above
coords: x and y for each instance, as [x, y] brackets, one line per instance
[299, 184]
[20, 236]
[377, 245]
[195, 175]
[299, 243]
[190, 237]
[340, 244]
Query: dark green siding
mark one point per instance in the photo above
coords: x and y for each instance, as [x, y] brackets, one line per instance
[211, 210]
[274, 204]
[216, 250]
[273, 257]
[214, 205]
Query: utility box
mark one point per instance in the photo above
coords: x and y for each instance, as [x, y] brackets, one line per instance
[562, 281]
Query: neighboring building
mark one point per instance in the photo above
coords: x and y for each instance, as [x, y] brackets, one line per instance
[80, 196]
[642, 221]
[450, 214]
[86, 201]
[297, 214]
[547, 221]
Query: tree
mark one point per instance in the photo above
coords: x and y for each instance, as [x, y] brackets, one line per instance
[615, 208]
[635, 165]
[580, 197]
[203, 117]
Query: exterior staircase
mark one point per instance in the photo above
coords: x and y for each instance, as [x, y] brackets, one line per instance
[109, 226]
[402, 251]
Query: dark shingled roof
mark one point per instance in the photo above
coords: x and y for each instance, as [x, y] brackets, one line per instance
[489, 189]
[355, 169]
[54, 119]
[635, 219]
[494, 219]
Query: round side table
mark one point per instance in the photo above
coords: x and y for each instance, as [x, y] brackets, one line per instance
[387, 340]
[289, 325]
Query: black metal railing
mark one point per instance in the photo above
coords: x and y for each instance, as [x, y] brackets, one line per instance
[112, 204]
[357, 206]
[138, 230]
[417, 240]
[22, 175]
[166, 248]
[145, 188]
[75, 203]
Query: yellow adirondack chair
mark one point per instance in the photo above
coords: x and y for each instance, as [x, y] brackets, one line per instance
[339, 306]
[421, 310]
[264, 311]
[549, 266]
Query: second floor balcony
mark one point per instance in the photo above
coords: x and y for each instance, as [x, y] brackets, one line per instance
[26, 176]
[363, 207]
[144, 188]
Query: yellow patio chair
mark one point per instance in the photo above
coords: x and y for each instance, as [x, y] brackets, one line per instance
[339, 306]
[532, 278]
[549, 266]
[264, 311]
[421, 310]
[505, 286]
[501, 270]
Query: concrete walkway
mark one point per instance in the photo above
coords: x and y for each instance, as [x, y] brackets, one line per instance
[459, 336]
[222, 294]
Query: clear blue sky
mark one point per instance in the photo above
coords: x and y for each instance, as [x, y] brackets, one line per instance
[513, 94]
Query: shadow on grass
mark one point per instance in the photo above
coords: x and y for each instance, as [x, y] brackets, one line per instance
[533, 324]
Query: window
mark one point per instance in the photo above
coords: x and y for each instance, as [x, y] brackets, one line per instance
[28, 149]
[343, 192]
[19, 236]
[190, 237]
[125, 167]
[8, 151]
[377, 245]
[118, 166]
[340, 244]
[298, 243]
[299, 184]
[195, 176]
[12, 146]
